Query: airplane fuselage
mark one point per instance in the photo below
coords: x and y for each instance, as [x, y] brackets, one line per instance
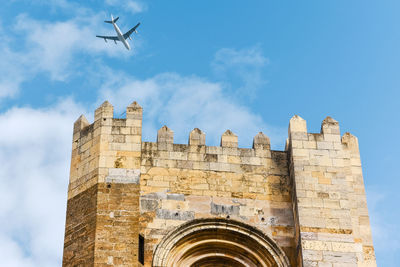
[121, 36]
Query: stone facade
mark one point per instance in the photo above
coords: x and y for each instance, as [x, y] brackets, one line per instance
[198, 205]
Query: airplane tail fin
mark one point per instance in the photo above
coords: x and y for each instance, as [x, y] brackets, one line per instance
[112, 21]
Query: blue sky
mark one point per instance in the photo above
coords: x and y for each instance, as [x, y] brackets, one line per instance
[247, 66]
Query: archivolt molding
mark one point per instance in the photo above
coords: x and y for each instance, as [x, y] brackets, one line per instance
[205, 242]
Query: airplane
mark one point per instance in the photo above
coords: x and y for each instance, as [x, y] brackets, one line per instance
[120, 37]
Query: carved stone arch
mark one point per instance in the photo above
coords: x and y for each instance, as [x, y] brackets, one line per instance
[218, 242]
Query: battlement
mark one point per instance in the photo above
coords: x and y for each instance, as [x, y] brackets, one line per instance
[309, 198]
[330, 131]
[125, 135]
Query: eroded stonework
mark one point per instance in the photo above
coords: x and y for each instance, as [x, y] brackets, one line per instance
[194, 204]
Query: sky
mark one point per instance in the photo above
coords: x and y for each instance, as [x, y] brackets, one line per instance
[248, 66]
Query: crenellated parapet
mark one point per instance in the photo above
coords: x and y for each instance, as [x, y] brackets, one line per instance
[227, 157]
[309, 198]
[109, 144]
[104, 146]
[328, 196]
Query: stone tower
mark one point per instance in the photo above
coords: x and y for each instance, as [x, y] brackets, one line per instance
[134, 203]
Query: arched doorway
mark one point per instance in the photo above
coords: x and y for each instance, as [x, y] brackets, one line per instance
[218, 242]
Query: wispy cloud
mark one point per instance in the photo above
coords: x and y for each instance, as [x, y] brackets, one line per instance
[64, 6]
[35, 147]
[55, 45]
[12, 66]
[60, 49]
[244, 66]
[184, 103]
[130, 5]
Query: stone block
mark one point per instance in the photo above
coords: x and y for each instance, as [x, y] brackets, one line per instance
[297, 124]
[175, 215]
[165, 135]
[80, 124]
[261, 141]
[122, 175]
[316, 245]
[330, 126]
[179, 197]
[324, 145]
[104, 112]
[340, 257]
[229, 139]
[149, 204]
[197, 137]
[224, 209]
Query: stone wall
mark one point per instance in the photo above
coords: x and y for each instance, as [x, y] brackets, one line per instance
[80, 229]
[309, 199]
[117, 224]
[180, 183]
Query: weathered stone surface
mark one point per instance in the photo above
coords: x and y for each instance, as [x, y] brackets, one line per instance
[165, 135]
[124, 176]
[224, 209]
[324, 179]
[175, 215]
[197, 138]
[261, 141]
[80, 228]
[229, 139]
[308, 201]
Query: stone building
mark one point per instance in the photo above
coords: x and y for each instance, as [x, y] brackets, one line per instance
[134, 203]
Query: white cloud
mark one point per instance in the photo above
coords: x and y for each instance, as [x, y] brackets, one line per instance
[55, 45]
[61, 49]
[183, 103]
[11, 67]
[136, 7]
[245, 65]
[35, 149]
[63, 4]
[130, 6]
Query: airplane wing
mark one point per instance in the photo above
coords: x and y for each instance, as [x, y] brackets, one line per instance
[114, 38]
[128, 33]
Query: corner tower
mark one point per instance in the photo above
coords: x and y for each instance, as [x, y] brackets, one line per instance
[103, 194]
[329, 202]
